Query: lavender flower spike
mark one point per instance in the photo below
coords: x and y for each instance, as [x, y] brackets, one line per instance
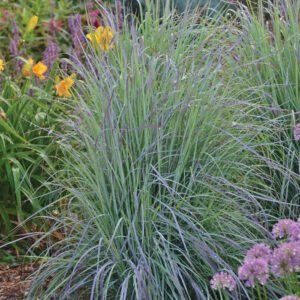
[119, 14]
[254, 269]
[13, 48]
[50, 54]
[222, 280]
[15, 31]
[259, 251]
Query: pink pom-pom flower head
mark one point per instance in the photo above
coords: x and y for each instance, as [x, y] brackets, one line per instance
[252, 270]
[223, 280]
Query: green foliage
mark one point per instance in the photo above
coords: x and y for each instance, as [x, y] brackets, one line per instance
[268, 64]
[169, 180]
[25, 149]
[29, 114]
[176, 154]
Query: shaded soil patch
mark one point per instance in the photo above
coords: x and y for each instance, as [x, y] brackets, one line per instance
[14, 282]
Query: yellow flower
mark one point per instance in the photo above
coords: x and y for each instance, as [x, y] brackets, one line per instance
[31, 24]
[39, 69]
[103, 37]
[62, 88]
[1, 66]
[27, 67]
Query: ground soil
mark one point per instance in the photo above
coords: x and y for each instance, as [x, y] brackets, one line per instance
[14, 284]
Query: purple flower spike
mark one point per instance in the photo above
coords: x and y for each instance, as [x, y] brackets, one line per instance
[254, 269]
[77, 34]
[297, 132]
[78, 28]
[119, 14]
[13, 48]
[286, 259]
[15, 31]
[284, 228]
[222, 280]
[259, 251]
[71, 24]
[50, 54]
[292, 297]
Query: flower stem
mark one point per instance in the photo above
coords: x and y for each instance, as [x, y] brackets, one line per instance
[265, 292]
[258, 290]
[225, 295]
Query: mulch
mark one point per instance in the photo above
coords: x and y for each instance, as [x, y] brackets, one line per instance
[14, 284]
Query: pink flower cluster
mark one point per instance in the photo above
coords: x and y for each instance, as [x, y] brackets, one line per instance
[222, 280]
[259, 251]
[286, 259]
[256, 265]
[283, 260]
[287, 228]
[292, 297]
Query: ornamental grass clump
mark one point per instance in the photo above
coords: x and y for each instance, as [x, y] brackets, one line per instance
[159, 170]
[266, 61]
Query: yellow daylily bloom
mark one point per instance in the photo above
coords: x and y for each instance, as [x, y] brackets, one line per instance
[27, 67]
[31, 24]
[103, 37]
[39, 69]
[62, 88]
[1, 66]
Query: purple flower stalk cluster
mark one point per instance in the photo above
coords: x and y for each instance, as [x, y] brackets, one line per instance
[223, 280]
[119, 14]
[14, 44]
[77, 34]
[50, 54]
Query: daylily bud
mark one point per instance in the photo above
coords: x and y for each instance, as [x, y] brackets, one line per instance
[3, 116]
[31, 24]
